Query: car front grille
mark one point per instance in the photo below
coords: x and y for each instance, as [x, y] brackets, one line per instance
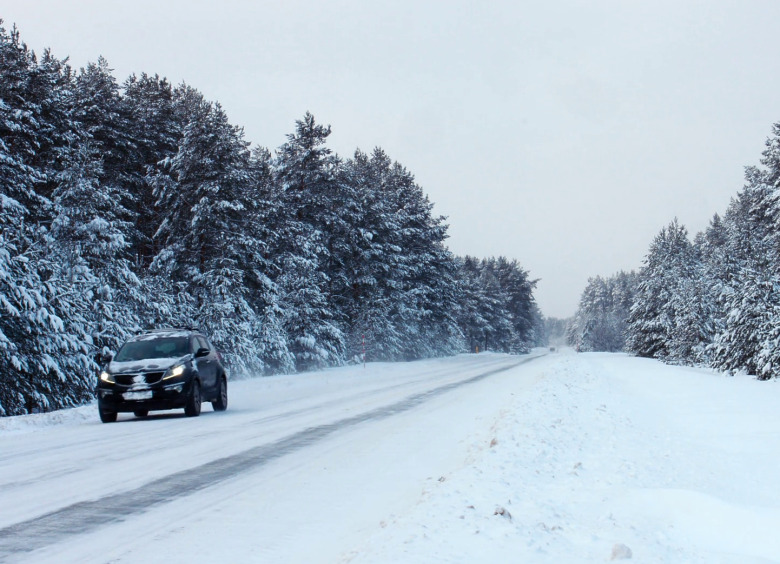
[154, 377]
[130, 379]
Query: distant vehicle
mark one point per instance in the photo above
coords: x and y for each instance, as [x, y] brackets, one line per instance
[161, 369]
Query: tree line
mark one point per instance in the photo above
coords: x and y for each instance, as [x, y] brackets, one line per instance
[714, 299]
[601, 320]
[135, 205]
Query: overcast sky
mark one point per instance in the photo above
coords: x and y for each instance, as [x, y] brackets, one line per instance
[564, 134]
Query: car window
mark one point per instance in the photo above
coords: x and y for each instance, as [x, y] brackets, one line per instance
[163, 347]
[203, 343]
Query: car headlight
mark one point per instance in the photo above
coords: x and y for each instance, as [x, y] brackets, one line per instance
[174, 371]
[106, 377]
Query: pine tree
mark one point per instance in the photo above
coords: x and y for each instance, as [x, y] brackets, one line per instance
[204, 238]
[425, 271]
[496, 309]
[521, 305]
[747, 272]
[371, 284]
[747, 342]
[42, 365]
[151, 106]
[656, 313]
[306, 173]
[600, 321]
[89, 229]
[260, 270]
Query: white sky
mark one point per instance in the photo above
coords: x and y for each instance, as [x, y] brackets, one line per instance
[564, 134]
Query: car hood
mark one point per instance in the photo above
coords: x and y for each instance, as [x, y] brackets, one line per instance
[148, 365]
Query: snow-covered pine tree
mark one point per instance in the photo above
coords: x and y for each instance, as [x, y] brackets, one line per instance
[105, 123]
[496, 308]
[600, 321]
[260, 271]
[370, 285]
[425, 271]
[715, 275]
[521, 305]
[769, 178]
[691, 334]
[482, 314]
[750, 271]
[717, 301]
[596, 319]
[504, 336]
[92, 249]
[157, 128]
[658, 311]
[204, 239]
[401, 287]
[750, 337]
[306, 172]
[42, 365]
[471, 319]
[97, 196]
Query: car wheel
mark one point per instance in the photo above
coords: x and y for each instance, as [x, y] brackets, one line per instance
[192, 409]
[107, 416]
[220, 404]
[141, 412]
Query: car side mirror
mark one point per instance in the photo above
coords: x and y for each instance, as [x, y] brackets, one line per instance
[201, 352]
[101, 358]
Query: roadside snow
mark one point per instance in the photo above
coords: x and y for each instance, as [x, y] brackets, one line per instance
[609, 453]
[29, 423]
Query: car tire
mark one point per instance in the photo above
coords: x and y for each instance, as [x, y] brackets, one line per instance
[221, 403]
[141, 412]
[107, 416]
[192, 409]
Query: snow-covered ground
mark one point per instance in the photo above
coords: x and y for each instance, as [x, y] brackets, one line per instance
[563, 458]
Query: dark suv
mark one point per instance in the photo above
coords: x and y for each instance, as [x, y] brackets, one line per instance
[161, 369]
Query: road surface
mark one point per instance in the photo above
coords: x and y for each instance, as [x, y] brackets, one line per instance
[298, 467]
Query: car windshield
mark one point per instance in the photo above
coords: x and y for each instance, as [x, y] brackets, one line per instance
[161, 347]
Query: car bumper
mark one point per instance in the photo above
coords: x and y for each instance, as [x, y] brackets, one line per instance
[120, 399]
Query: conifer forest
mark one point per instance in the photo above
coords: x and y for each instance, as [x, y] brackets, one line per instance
[137, 204]
[708, 300]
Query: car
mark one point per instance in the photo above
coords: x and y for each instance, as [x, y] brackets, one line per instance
[161, 369]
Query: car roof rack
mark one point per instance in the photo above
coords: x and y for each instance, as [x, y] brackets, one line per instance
[169, 329]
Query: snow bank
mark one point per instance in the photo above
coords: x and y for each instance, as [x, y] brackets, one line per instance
[609, 457]
[28, 423]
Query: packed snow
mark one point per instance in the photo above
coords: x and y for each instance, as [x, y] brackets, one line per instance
[563, 458]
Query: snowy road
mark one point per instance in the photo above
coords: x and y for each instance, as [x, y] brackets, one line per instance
[66, 481]
[477, 458]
